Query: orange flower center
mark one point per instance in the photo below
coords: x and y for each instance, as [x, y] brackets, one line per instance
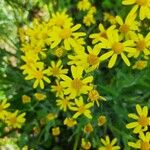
[82, 109]
[141, 2]
[104, 35]
[77, 84]
[117, 47]
[93, 95]
[92, 59]
[109, 147]
[39, 75]
[141, 45]
[58, 88]
[1, 108]
[55, 71]
[143, 121]
[13, 120]
[65, 33]
[124, 28]
[145, 145]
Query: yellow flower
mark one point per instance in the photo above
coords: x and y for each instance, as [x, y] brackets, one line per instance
[61, 19]
[56, 69]
[143, 143]
[26, 99]
[116, 47]
[58, 89]
[59, 52]
[84, 5]
[89, 19]
[56, 131]
[92, 10]
[64, 103]
[40, 96]
[86, 145]
[143, 121]
[109, 145]
[82, 108]
[89, 61]
[102, 34]
[51, 116]
[70, 122]
[140, 64]
[39, 75]
[95, 97]
[101, 120]
[142, 45]
[3, 106]
[88, 128]
[109, 17]
[76, 86]
[67, 36]
[129, 25]
[14, 120]
[143, 5]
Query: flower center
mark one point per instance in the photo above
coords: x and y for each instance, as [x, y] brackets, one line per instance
[92, 59]
[65, 33]
[58, 88]
[104, 35]
[124, 28]
[82, 109]
[1, 108]
[13, 120]
[55, 71]
[141, 2]
[143, 121]
[141, 45]
[108, 147]
[39, 75]
[77, 84]
[145, 145]
[117, 47]
[65, 102]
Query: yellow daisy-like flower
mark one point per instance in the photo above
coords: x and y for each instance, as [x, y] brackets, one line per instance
[143, 5]
[129, 25]
[101, 120]
[109, 17]
[140, 65]
[102, 34]
[15, 120]
[84, 5]
[142, 44]
[70, 122]
[143, 143]
[88, 128]
[89, 61]
[66, 35]
[76, 86]
[3, 106]
[40, 96]
[56, 131]
[89, 19]
[117, 47]
[58, 89]
[64, 103]
[51, 116]
[82, 108]
[109, 145]
[61, 19]
[86, 145]
[26, 99]
[143, 121]
[39, 75]
[95, 97]
[56, 69]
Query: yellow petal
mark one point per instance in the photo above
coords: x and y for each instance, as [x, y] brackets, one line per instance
[112, 61]
[132, 125]
[125, 59]
[106, 55]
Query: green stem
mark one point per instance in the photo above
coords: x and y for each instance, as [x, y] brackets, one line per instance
[75, 146]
